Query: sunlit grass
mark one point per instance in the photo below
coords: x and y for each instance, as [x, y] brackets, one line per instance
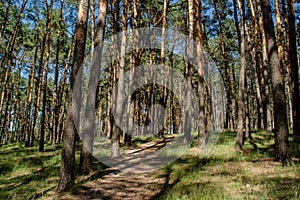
[226, 174]
[27, 173]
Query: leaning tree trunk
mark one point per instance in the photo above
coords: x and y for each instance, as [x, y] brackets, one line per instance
[279, 99]
[62, 93]
[67, 169]
[90, 115]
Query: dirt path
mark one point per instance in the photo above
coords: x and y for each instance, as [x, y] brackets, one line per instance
[114, 184]
[225, 173]
[120, 186]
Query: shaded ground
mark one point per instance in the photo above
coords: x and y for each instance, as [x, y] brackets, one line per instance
[115, 184]
[119, 186]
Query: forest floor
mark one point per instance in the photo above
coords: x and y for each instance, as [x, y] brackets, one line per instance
[223, 174]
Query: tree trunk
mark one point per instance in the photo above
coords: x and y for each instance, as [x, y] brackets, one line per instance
[201, 87]
[90, 115]
[47, 45]
[294, 69]
[162, 57]
[40, 74]
[28, 102]
[128, 137]
[61, 102]
[3, 133]
[189, 72]
[279, 35]
[4, 88]
[287, 61]
[17, 109]
[119, 93]
[242, 82]
[255, 57]
[279, 101]
[43, 117]
[265, 82]
[67, 169]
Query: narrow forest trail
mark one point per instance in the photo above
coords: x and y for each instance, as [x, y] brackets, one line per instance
[119, 184]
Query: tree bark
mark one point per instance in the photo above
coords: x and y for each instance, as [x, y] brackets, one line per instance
[265, 81]
[163, 91]
[90, 115]
[201, 87]
[119, 93]
[242, 82]
[279, 100]
[43, 117]
[287, 61]
[256, 58]
[279, 35]
[67, 169]
[294, 69]
[188, 73]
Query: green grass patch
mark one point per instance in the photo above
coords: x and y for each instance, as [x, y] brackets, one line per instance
[26, 172]
[226, 174]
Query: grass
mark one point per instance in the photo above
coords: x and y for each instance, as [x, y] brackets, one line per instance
[223, 174]
[26, 173]
[226, 174]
